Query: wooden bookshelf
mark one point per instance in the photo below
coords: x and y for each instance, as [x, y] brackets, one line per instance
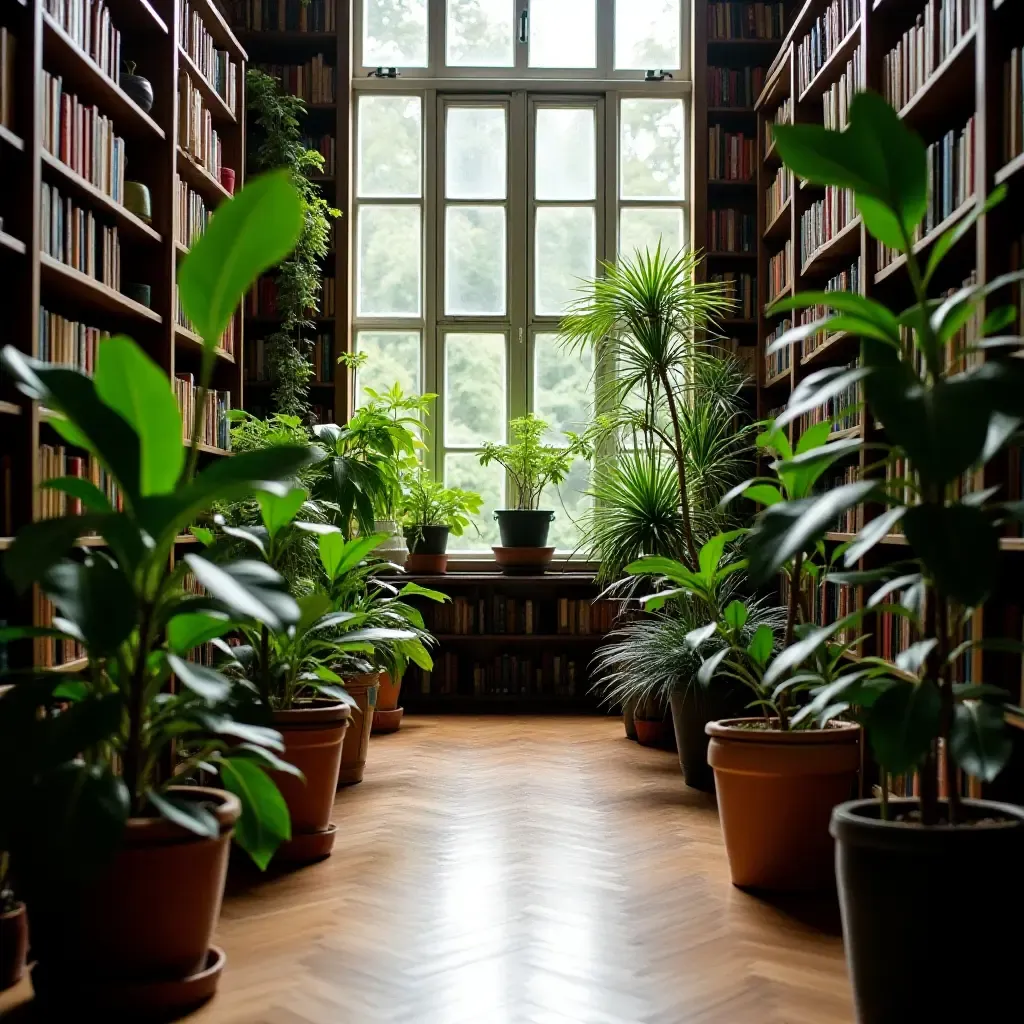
[149, 251]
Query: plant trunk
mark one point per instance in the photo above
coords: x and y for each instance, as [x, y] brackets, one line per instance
[684, 498]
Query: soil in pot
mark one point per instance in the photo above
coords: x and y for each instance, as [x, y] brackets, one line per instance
[13, 946]
[146, 920]
[353, 753]
[910, 899]
[313, 738]
[692, 709]
[776, 791]
[524, 527]
[387, 715]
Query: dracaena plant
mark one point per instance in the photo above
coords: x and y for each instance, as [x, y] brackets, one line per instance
[81, 752]
[943, 421]
[427, 502]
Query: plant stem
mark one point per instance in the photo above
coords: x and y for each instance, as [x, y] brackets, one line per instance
[928, 772]
[134, 748]
[265, 665]
[947, 708]
[794, 598]
[680, 457]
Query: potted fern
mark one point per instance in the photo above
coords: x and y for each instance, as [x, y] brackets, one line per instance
[429, 513]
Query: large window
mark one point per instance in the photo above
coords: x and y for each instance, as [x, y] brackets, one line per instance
[518, 147]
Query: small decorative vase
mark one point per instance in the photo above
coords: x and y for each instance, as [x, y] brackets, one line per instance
[138, 89]
[394, 549]
[140, 293]
[227, 179]
[137, 200]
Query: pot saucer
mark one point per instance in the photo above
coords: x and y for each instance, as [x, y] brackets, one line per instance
[387, 721]
[307, 846]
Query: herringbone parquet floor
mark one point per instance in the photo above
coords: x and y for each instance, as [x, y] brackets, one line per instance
[505, 871]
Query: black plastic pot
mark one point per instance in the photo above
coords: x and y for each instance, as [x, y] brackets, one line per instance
[692, 709]
[524, 527]
[139, 89]
[914, 899]
[427, 540]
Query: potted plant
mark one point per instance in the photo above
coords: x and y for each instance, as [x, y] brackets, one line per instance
[13, 930]
[946, 410]
[531, 465]
[86, 794]
[429, 513]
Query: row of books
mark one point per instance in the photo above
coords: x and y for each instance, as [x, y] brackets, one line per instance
[779, 362]
[955, 357]
[829, 602]
[80, 136]
[196, 134]
[734, 87]
[923, 47]
[731, 155]
[745, 355]
[848, 280]
[76, 238]
[285, 15]
[257, 367]
[88, 24]
[777, 194]
[67, 342]
[1013, 105]
[8, 61]
[892, 634]
[828, 30]
[314, 82]
[951, 174]
[262, 298]
[228, 342]
[55, 462]
[839, 95]
[731, 230]
[783, 115]
[853, 518]
[214, 428]
[500, 614]
[746, 20]
[842, 410]
[824, 219]
[780, 271]
[326, 146]
[214, 64]
[51, 652]
[742, 288]
[505, 675]
[191, 214]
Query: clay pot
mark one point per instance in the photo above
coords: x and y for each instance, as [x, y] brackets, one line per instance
[655, 732]
[313, 737]
[363, 689]
[427, 565]
[628, 718]
[143, 926]
[13, 946]
[523, 561]
[387, 715]
[891, 875]
[776, 791]
[692, 709]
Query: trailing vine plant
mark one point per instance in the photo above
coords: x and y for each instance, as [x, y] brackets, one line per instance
[300, 277]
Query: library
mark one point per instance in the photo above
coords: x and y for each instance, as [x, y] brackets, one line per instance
[510, 511]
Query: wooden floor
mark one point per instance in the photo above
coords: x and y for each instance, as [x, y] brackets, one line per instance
[504, 871]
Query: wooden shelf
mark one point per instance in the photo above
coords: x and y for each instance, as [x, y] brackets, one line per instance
[215, 103]
[209, 449]
[833, 66]
[835, 251]
[12, 139]
[216, 25]
[928, 240]
[774, 229]
[129, 224]
[180, 248]
[1010, 170]
[942, 95]
[5, 543]
[201, 179]
[78, 665]
[12, 244]
[836, 341]
[138, 15]
[842, 435]
[778, 378]
[783, 293]
[9, 409]
[730, 111]
[76, 285]
[194, 341]
[1011, 543]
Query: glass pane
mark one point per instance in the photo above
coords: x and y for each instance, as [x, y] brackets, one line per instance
[474, 389]
[390, 146]
[643, 227]
[652, 149]
[480, 33]
[475, 153]
[474, 260]
[563, 384]
[565, 256]
[647, 34]
[568, 501]
[389, 261]
[566, 155]
[395, 33]
[394, 357]
[463, 469]
[562, 34]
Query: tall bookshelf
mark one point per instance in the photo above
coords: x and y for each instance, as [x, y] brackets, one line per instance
[962, 82]
[175, 45]
[291, 34]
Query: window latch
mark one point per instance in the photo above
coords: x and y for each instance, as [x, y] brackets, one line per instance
[524, 25]
[656, 75]
[383, 72]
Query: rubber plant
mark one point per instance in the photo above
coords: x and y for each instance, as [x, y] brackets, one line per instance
[299, 277]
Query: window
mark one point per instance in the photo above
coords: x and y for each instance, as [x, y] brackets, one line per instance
[518, 148]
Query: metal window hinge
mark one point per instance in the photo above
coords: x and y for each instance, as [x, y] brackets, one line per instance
[656, 75]
[383, 72]
[524, 25]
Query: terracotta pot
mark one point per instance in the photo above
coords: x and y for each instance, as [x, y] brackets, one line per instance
[353, 755]
[387, 715]
[654, 732]
[313, 737]
[427, 564]
[13, 946]
[628, 719]
[692, 709]
[776, 791]
[144, 924]
[523, 561]
[892, 875]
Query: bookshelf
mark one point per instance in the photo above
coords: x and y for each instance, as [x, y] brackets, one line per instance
[60, 305]
[966, 83]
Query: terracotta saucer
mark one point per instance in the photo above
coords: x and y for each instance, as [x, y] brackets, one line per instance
[387, 721]
[306, 847]
[523, 561]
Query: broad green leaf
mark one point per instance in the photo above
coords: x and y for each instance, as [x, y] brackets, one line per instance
[189, 814]
[268, 759]
[97, 598]
[871, 534]
[277, 511]
[797, 653]
[952, 235]
[899, 583]
[902, 724]
[761, 644]
[818, 389]
[84, 490]
[696, 638]
[415, 590]
[911, 659]
[247, 235]
[803, 471]
[312, 606]
[708, 668]
[202, 681]
[978, 740]
[998, 319]
[813, 437]
[192, 629]
[851, 303]
[774, 440]
[764, 491]
[265, 822]
[42, 544]
[710, 555]
[240, 599]
[736, 614]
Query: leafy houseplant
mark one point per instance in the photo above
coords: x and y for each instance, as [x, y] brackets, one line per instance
[428, 512]
[944, 412]
[86, 795]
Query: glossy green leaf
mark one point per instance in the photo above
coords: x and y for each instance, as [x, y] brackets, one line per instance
[736, 614]
[240, 599]
[97, 598]
[188, 814]
[696, 638]
[818, 388]
[911, 659]
[84, 490]
[902, 724]
[192, 629]
[264, 823]
[708, 668]
[277, 511]
[952, 235]
[851, 303]
[979, 741]
[813, 437]
[202, 681]
[42, 544]
[874, 531]
[761, 644]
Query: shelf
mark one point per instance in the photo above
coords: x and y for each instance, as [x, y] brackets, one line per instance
[74, 284]
[939, 95]
[842, 435]
[5, 543]
[782, 217]
[928, 240]
[180, 248]
[85, 78]
[553, 639]
[838, 537]
[70, 666]
[836, 341]
[12, 139]
[208, 449]
[1011, 543]
[193, 340]
[832, 67]
[585, 579]
[772, 382]
[9, 409]
[215, 24]
[138, 15]
[788, 290]
[836, 250]
[215, 103]
[129, 223]
[1007, 171]
[730, 111]
[11, 243]
[200, 178]
[771, 155]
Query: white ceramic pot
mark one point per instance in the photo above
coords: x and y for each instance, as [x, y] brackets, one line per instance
[394, 549]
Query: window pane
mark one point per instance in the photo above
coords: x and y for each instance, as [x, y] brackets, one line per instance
[390, 146]
[475, 153]
[652, 149]
[480, 33]
[389, 261]
[563, 384]
[565, 256]
[566, 155]
[562, 34]
[568, 501]
[474, 389]
[394, 357]
[474, 260]
[463, 469]
[395, 33]
[647, 34]
[643, 227]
